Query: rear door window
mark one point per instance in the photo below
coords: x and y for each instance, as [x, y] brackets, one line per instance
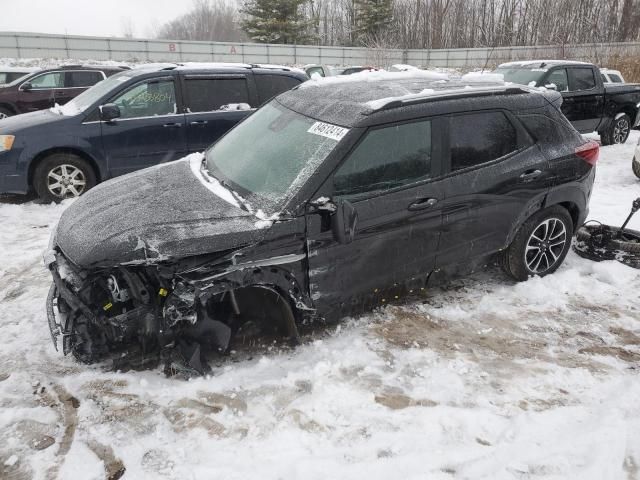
[209, 94]
[82, 79]
[48, 80]
[388, 157]
[581, 79]
[271, 85]
[477, 138]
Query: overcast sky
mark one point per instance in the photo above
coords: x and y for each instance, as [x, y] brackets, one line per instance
[89, 17]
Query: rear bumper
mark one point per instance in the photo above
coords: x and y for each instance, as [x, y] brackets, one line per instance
[12, 180]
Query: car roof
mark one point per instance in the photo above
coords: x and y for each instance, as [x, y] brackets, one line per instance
[363, 102]
[99, 68]
[540, 63]
[202, 67]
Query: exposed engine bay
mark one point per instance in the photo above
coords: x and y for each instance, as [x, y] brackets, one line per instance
[179, 315]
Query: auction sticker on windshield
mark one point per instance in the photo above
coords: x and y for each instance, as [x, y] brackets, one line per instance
[327, 130]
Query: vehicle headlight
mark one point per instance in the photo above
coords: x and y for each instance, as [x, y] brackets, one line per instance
[6, 142]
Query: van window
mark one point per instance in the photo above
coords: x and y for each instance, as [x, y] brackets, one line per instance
[209, 94]
[615, 78]
[271, 85]
[477, 138]
[388, 157]
[147, 99]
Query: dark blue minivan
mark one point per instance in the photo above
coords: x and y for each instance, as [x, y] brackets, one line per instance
[132, 120]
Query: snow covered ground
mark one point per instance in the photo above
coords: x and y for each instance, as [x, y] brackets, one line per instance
[486, 379]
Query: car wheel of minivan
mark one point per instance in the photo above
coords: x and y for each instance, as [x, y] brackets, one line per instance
[5, 112]
[540, 245]
[62, 175]
[618, 131]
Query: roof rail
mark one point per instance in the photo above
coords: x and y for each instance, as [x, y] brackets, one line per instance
[270, 67]
[449, 95]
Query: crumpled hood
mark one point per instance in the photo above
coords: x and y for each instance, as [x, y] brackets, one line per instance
[156, 214]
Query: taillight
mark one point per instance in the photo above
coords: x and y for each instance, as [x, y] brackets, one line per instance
[589, 152]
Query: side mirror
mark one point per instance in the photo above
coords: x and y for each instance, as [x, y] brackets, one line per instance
[343, 222]
[25, 87]
[551, 86]
[109, 112]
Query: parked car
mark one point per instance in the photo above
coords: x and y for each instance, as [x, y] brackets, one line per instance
[636, 161]
[131, 120]
[44, 88]
[322, 70]
[11, 74]
[331, 199]
[612, 110]
[611, 76]
[352, 70]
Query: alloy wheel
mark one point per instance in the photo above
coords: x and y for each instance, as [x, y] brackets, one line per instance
[66, 181]
[545, 245]
[620, 131]
[3, 115]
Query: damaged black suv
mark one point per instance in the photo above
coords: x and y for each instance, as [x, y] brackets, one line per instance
[331, 199]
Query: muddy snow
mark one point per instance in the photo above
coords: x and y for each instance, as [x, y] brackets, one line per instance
[484, 379]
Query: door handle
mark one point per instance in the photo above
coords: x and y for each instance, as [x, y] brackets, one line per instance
[422, 204]
[198, 122]
[530, 175]
[172, 125]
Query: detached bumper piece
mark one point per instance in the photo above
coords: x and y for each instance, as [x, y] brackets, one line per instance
[132, 316]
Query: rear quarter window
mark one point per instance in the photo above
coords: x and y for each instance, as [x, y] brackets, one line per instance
[83, 79]
[271, 85]
[477, 138]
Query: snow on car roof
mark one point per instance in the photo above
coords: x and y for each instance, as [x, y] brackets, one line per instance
[19, 69]
[539, 63]
[347, 101]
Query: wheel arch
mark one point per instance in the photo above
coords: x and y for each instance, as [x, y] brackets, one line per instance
[570, 199]
[10, 107]
[51, 151]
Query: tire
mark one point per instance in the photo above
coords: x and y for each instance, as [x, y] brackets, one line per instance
[635, 165]
[597, 243]
[62, 175]
[523, 258]
[617, 132]
[5, 113]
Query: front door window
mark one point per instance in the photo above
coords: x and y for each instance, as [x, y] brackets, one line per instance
[148, 99]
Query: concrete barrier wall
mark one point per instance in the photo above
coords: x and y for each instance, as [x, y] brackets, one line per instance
[34, 45]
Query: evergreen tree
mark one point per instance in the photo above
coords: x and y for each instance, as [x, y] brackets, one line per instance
[373, 18]
[276, 21]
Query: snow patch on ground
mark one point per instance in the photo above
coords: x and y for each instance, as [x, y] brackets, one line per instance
[486, 379]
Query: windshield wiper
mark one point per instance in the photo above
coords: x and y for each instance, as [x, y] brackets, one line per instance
[235, 194]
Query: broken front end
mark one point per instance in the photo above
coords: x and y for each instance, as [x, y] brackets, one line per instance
[178, 314]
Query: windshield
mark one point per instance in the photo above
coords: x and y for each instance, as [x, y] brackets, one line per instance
[11, 78]
[90, 96]
[523, 76]
[271, 154]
